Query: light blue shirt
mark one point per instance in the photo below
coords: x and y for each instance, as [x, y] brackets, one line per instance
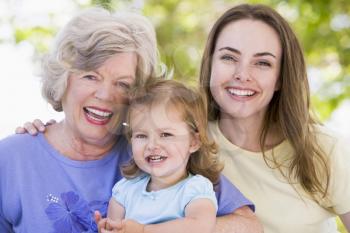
[163, 205]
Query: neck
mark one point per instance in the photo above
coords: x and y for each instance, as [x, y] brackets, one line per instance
[75, 147]
[245, 133]
[158, 183]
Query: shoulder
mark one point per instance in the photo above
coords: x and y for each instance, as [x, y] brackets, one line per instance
[17, 145]
[197, 187]
[124, 184]
[199, 182]
[15, 140]
[325, 136]
[331, 142]
[125, 190]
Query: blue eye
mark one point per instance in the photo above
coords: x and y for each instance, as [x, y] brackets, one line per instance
[228, 58]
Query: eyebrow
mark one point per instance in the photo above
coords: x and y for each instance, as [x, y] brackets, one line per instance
[255, 55]
[118, 77]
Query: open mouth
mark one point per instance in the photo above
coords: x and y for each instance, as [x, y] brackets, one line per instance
[155, 158]
[240, 93]
[97, 115]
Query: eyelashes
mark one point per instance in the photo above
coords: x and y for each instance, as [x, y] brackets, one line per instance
[233, 59]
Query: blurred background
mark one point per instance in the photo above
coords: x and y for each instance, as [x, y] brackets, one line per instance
[27, 28]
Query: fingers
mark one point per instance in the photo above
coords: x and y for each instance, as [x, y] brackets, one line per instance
[101, 224]
[20, 130]
[39, 125]
[97, 216]
[30, 128]
[114, 225]
[33, 128]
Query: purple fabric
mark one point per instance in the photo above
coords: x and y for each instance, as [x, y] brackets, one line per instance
[42, 191]
[229, 197]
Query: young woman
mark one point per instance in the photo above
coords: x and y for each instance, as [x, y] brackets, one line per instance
[292, 168]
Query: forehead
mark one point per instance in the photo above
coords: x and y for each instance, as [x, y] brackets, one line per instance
[249, 35]
[159, 113]
[120, 64]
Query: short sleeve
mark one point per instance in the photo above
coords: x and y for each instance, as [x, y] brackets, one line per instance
[339, 188]
[229, 197]
[119, 191]
[198, 187]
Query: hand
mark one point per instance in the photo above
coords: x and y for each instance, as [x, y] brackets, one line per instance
[33, 128]
[106, 225]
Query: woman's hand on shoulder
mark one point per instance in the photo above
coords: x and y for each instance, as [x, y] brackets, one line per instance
[33, 128]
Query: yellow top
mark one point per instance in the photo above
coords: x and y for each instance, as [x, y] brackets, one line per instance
[279, 206]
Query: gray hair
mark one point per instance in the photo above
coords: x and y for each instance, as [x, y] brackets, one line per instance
[89, 39]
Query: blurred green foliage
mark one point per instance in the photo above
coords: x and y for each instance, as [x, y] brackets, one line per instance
[321, 25]
[182, 26]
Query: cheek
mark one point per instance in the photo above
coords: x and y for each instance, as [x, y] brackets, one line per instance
[219, 74]
[273, 84]
[214, 85]
[137, 148]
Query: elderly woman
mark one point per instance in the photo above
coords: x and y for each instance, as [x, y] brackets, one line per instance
[55, 181]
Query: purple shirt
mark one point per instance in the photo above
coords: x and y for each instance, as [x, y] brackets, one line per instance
[42, 191]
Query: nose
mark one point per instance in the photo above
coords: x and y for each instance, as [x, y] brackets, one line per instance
[104, 92]
[241, 72]
[153, 144]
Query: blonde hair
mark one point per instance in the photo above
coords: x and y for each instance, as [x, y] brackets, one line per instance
[289, 108]
[192, 106]
[89, 39]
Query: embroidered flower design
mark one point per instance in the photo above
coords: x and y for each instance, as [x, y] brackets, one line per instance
[72, 214]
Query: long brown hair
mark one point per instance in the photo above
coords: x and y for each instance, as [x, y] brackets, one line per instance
[191, 103]
[289, 108]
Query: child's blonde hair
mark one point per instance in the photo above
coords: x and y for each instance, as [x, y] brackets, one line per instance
[191, 104]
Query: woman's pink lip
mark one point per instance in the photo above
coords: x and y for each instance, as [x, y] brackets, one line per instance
[96, 122]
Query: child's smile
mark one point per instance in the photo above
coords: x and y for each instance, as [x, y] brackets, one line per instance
[161, 143]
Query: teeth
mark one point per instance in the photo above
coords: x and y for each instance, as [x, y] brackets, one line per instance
[241, 92]
[99, 112]
[155, 158]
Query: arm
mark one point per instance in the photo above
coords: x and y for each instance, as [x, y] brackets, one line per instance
[243, 220]
[115, 210]
[345, 218]
[199, 218]
[112, 223]
[235, 213]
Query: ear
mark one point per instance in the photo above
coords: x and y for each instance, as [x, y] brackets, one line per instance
[195, 143]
